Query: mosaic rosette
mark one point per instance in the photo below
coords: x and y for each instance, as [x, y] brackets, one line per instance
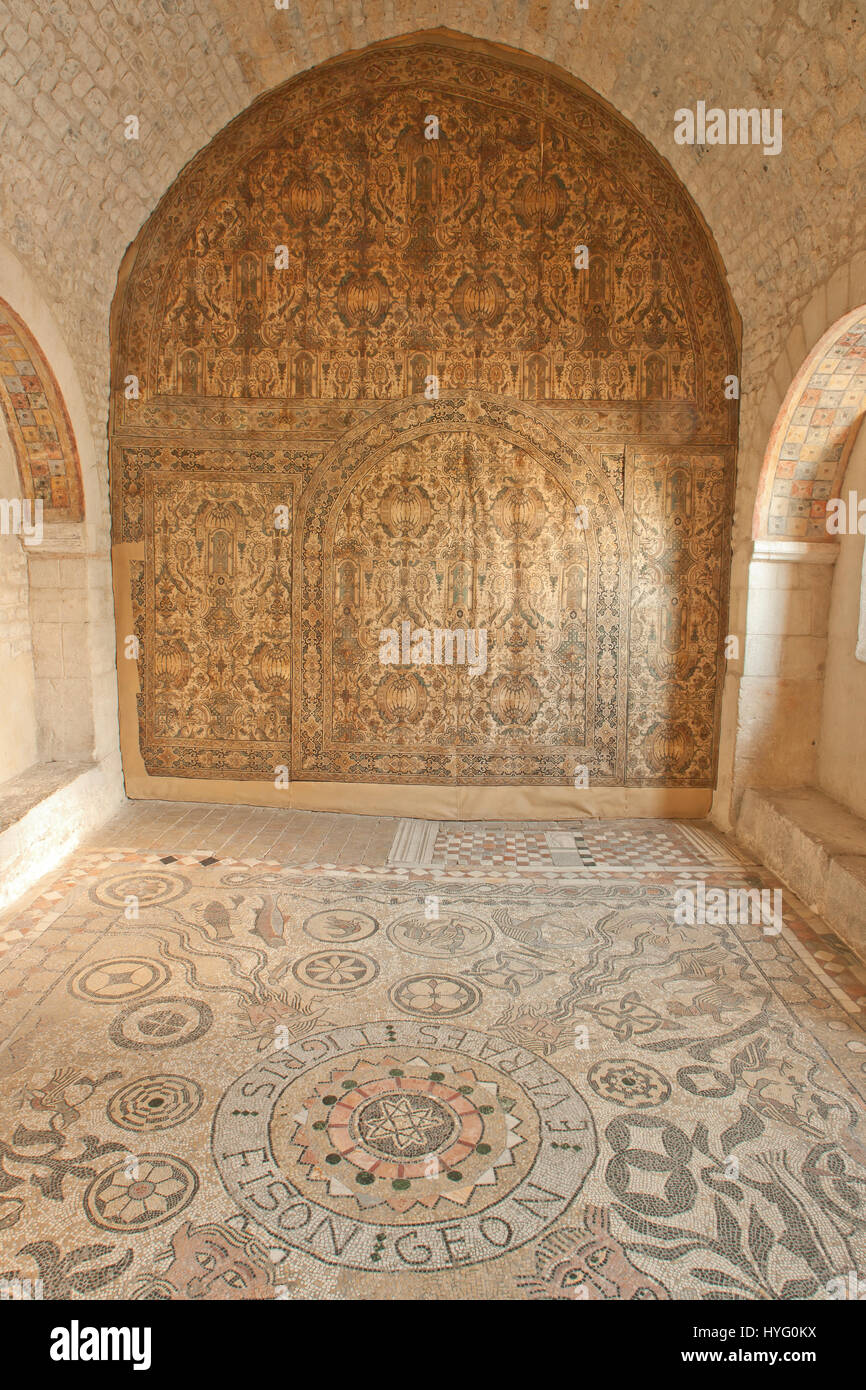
[403, 1145]
[137, 1196]
[407, 1134]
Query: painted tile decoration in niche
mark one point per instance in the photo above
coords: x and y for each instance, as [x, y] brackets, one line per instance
[818, 436]
[404, 259]
[38, 424]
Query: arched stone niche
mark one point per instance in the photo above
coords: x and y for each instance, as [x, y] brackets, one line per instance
[46, 671]
[59, 756]
[395, 346]
[789, 719]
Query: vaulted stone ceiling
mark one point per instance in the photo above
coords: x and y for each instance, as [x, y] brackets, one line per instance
[75, 192]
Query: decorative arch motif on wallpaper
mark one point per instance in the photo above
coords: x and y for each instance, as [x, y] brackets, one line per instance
[497, 489]
[283, 312]
[39, 429]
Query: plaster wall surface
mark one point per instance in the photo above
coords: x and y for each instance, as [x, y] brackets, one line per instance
[18, 731]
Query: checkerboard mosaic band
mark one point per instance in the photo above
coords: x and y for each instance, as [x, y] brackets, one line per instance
[602, 846]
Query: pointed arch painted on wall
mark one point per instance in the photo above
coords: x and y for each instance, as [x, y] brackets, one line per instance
[38, 423]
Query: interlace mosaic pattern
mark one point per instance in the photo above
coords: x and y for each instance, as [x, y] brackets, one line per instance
[223, 1080]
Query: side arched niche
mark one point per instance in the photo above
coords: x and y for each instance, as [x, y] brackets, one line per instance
[42, 499]
[59, 759]
[804, 674]
[393, 345]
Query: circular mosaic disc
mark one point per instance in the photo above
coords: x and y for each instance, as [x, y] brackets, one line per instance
[635, 1085]
[118, 981]
[434, 996]
[451, 934]
[136, 1194]
[148, 888]
[166, 1022]
[337, 970]
[342, 927]
[407, 1145]
[155, 1102]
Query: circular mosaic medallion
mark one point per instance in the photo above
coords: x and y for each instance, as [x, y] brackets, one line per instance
[166, 1022]
[139, 1192]
[155, 1102]
[149, 889]
[339, 926]
[632, 1084]
[335, 970]
[452, 934]
[407, 1145]
[117, 981]
[434, 996]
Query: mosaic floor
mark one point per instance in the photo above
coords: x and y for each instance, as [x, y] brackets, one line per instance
[225, 1076]
[605, 846]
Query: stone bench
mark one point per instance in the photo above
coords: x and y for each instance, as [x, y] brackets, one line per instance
[815, 846]
[44, 813]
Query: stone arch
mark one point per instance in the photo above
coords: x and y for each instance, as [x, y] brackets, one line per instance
[786, 568]
[38, 423]
[65, 775]
[396, 250]
[813, 436]
[44, 645]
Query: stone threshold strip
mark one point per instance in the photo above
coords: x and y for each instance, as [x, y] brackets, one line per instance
[820, 950]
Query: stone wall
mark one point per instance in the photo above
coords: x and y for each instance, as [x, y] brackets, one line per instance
[771, 719]
[18, 722]
[69, 77]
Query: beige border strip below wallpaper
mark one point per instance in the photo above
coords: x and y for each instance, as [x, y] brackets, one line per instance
[433, 803]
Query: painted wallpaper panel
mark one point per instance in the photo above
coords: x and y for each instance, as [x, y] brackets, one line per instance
[421, 457]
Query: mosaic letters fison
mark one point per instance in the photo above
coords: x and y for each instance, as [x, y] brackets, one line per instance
[284, 310]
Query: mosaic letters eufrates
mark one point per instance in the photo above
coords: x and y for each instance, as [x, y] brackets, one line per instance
[405, 258]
